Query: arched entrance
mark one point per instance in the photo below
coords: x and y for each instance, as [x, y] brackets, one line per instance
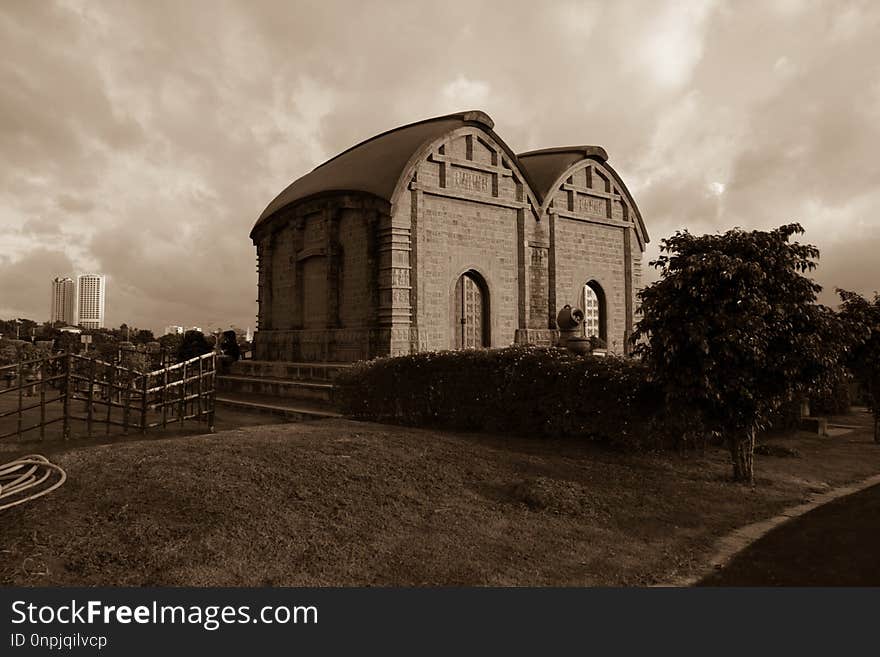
[595, 314]
[471, 317]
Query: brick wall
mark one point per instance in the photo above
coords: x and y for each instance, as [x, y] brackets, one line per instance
[455, 236]
[459, 234]
[590, 252]
[355, 294]
[282, 278]
[587, 250]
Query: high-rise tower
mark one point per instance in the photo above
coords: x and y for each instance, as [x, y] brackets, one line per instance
[63, 300]
[90, 290]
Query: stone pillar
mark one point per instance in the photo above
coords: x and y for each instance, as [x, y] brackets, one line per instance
[298, 291]
[551, 271]
[266, 264]
[334, 266]
[522, 269]
[627, 288]
[394, 283]
[416, 204]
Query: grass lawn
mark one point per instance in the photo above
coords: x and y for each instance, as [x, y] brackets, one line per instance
[347, 503]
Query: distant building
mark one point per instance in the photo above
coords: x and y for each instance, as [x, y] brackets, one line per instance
[195, 328]
[173, 330]
[63, 300]
[90, 300]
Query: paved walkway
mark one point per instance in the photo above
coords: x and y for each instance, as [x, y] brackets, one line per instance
[836, 544]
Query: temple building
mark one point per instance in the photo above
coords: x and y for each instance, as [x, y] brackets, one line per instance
[436, 235]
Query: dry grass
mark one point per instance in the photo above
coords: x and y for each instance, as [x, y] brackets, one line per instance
[346, 503]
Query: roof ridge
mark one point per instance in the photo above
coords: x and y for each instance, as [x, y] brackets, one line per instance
[586, 149]
[469, 116]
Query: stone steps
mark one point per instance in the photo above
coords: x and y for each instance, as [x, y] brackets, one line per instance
[290, 409]
[325, 372]
[312, 391]
[295, 391]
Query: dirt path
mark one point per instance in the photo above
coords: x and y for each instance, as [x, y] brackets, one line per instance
[836, 544]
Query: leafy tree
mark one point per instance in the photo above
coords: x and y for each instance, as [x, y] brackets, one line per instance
[171, 342]
[229, 345]
[19, 328]
[861, 319]
[143, 336]
[731, 331]
[192, 345]
[67, 341]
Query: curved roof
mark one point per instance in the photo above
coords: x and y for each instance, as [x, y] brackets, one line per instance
[547, 167]
[375, 165]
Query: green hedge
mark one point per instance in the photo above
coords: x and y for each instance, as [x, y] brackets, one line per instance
[835, 399]
[526, 390]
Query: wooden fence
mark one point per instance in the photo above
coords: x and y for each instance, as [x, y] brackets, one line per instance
[69, 388]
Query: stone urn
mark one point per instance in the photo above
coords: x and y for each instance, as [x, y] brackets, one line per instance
[579, 345]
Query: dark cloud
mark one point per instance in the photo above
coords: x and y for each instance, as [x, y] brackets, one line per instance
[143, 139]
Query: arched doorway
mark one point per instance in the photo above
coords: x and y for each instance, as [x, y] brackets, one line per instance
[595, 314]
[471, 317]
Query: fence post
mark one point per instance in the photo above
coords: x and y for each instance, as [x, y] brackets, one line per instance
[144, 395]
[20, 394]
[182, 394]
[199, 398]
[111, 379]
[212, 390]
[68, 364]
[125, 400]
[164, 398]
[43, 399]
[91, 397]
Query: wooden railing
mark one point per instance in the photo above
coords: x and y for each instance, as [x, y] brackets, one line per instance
[50, 371]
[112, 395]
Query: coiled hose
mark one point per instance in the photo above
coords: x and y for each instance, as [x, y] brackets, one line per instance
[28, 478]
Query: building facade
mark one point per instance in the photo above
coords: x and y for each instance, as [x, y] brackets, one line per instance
[63, 302]
[437, 236]
[90, 291]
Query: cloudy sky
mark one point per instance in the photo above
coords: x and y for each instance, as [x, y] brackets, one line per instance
[142, 139]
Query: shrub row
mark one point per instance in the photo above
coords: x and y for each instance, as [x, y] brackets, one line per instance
[527, 390]
[835, 399]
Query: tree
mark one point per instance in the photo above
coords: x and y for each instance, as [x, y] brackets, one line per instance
[171, 342]
[731, 331]
[861, 319]
[143, 336]
[229, 345]
[192, 345]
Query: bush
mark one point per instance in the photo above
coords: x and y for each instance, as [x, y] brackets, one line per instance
[835, 400]
[193, 344]
[528, 390]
